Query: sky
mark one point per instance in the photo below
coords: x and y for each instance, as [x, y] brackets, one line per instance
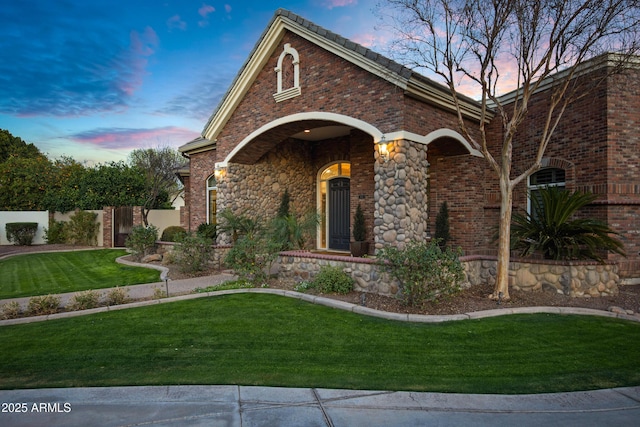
[96, 79]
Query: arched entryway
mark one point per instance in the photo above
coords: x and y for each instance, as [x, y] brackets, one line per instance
[334, 196]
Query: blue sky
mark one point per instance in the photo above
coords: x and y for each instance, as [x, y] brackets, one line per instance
[95, 79]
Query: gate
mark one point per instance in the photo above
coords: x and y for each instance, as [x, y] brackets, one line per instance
[122, 225]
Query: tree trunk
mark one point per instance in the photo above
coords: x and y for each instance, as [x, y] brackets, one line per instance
[145, 216]
[501, 289]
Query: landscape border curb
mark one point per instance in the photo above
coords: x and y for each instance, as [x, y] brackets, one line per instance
[332, 303]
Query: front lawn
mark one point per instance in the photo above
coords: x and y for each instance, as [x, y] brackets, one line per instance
[60, 272]
[259, 339]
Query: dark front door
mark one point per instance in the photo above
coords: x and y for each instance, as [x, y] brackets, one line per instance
[339, 196]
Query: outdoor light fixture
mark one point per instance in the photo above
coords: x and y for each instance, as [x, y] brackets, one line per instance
[219, 171]
[383, 149]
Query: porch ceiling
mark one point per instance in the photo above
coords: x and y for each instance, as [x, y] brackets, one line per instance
[268, 140]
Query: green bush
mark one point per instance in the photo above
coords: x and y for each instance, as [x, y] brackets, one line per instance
[85, 300]
[173, 233]
[208, 231]
[333, 279]
[142, 241]
[442, 234]
[56, 233]
[21, 233]
[359, 230]
[117, 296]
[557, 234]
[83, 228]
[424, 270]
[42, 305]
[193, 253]
[251, 257]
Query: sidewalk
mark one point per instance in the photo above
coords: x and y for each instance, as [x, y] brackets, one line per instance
[271, 406]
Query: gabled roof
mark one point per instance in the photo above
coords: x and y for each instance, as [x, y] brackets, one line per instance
[412, 83]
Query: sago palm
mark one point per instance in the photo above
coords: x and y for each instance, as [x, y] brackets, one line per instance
[556, 234]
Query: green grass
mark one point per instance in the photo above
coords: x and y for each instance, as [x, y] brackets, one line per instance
[59, 272]
[259, 339]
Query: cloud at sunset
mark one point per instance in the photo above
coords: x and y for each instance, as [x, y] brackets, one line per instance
[70, 64]
[129, 139]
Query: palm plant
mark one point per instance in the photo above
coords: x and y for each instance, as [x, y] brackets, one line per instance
[237, 225]
[556, 234]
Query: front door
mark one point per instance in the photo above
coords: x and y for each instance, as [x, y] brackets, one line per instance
[339, 196]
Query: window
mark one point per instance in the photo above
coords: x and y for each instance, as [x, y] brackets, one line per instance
[212, 198]
[550, 177]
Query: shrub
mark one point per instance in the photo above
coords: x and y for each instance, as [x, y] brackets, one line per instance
[82, 228]
[252, 256]
[556, 235]
[56, 233]
[142, 241]
[442, 234]
[117, 296]
[424, 270]
[85, 300]
[193, 253]
[333, 279]
[208, 231]
[359, 231]
[11, 310]
[41, 305]
[237, 225]
[289, 232]
[21, 233]
[173, 234]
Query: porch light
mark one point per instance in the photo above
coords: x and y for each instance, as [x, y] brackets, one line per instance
[383, 149]
[219, 172]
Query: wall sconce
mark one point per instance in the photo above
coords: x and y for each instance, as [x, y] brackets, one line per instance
[219, 172]
[383, 149]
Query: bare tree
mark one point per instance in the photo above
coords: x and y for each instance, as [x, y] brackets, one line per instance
[472, 45]
[159, 166]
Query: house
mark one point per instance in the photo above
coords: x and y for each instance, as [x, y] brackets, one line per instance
[338, 125]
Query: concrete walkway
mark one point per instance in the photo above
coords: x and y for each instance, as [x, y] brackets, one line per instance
[269, 406]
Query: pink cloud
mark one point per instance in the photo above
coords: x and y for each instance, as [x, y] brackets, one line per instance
[227, 8]
[176, 22]
[141, 46]
[205, 10]
[129, 139]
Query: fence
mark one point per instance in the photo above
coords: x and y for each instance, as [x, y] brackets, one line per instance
[160, 218]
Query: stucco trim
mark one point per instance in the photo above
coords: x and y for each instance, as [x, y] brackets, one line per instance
[314, 115]
[432, 136]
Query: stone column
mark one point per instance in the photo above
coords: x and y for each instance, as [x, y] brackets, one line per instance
[401, 190]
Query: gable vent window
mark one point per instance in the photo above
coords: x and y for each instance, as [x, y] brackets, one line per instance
[288, 74]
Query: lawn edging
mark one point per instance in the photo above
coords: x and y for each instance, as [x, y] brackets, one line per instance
[332, 303]
[164, 271]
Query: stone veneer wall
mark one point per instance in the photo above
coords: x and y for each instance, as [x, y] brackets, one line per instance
[573, 278]
[576, 279]
[256, 190]
[401, 191]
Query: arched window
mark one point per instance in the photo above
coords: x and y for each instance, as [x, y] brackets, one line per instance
[212, 197]
[544, 178]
